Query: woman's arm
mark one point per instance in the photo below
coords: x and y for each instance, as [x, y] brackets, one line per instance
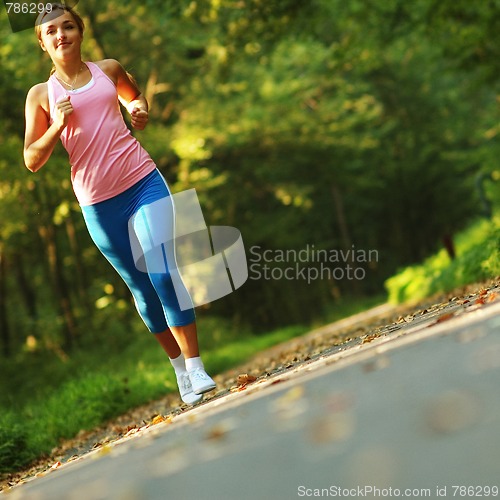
[40, 138]
[128, 92]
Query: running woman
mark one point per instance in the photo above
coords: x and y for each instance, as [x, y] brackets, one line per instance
[114, 179]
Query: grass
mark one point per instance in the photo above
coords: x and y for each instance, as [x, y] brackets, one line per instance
[45, 398]
[478, 259]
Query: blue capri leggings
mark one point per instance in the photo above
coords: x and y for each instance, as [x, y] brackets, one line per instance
[134, 219]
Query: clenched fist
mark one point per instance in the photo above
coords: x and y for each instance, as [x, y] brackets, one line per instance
[63, 110]
[139, 118]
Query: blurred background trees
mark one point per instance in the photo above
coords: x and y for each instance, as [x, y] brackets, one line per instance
[329, 123]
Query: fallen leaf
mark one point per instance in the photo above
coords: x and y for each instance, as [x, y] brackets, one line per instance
[216, 433]
[369, 338]
[277, 381]
[492, 296]
[165, 420]
[245, 379]
[444, 317]
[133, 430]
[105, 450]
[158, 419]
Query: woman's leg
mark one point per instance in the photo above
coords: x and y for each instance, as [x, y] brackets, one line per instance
[187, 339]
[186, 358]
[152, 236]
[110, 234]
[171, 347]
[153, 226]
[168, 343]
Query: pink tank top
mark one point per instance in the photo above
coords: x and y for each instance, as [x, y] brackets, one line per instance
[105, 158]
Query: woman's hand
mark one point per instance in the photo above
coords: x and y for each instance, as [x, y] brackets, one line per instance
[128, 92]
[139, 118]
[63, 110]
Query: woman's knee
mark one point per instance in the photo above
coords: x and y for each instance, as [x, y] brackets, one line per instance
[150, 309]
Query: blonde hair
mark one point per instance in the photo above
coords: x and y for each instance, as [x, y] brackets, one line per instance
[51, 7]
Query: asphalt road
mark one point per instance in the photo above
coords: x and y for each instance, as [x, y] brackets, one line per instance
[412, 413]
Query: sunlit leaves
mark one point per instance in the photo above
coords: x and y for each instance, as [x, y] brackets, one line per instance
[269, 107]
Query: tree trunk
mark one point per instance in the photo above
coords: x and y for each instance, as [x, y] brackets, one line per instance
[26, 290]
[339, 210]
[4, 324]
[81, 280]
[48, 234]
[344, 232]
[153, 87]
[93, 26]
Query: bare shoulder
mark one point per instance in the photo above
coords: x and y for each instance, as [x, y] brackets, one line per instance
[108, 64]
[38, 95]
[111, 67]
[38, 91]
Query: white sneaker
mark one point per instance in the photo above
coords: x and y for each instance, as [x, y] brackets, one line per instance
[186, 390]
[201, 381]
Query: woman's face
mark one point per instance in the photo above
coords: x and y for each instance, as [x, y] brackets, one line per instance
[60, 36]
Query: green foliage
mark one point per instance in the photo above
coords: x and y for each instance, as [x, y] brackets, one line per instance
[326, 123]
[14, 450]
[466, 32]
[478, 258]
